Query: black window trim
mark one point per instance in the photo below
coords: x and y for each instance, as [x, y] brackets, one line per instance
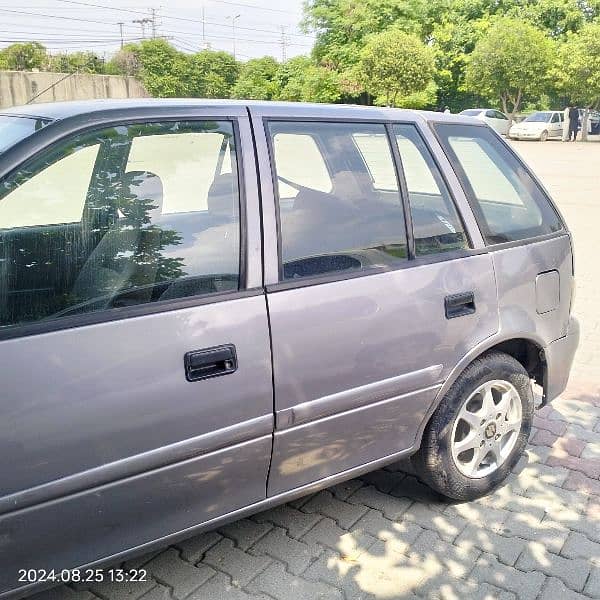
[118, 314]
[471, 198]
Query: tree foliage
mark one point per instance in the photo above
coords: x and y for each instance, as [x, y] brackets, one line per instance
[394, 65]
[512, 60]
[23, 56]
[300, 79]
[257, 79]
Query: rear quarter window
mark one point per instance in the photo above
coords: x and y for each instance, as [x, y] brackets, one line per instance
[508, 203]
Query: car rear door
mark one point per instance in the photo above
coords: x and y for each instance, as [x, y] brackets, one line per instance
[366, 319]
[136, 366]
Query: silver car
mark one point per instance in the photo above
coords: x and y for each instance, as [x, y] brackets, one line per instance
[211, 307]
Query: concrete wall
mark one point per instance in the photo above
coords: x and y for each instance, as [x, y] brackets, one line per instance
[17, 87]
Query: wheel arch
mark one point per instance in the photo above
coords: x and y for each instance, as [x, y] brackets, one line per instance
[527, 350]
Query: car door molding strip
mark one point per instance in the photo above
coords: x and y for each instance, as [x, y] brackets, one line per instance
[139, 463]
[356, 397]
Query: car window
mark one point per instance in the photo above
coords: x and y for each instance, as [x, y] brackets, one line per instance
[436, 224]
[352, 221]
[555, 118]
[13, 129]
[509, 204]
[490, 114]
[30, 203]
[500, 115]
[470, 112]
[372, 147]
[122, 216]
[310, 171]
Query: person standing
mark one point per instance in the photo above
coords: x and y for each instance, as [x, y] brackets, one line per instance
[565, 131]
[573, 122]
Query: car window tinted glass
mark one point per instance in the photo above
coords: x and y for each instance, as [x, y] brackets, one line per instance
[14, 129]
[300, 161]
[436, 224]
[509, 203]
[555, 118]
[356, 222]
[118, 217]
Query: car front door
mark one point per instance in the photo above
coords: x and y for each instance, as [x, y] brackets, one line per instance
[136, 370]
[366, 321]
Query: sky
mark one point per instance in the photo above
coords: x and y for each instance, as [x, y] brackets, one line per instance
[73, 25]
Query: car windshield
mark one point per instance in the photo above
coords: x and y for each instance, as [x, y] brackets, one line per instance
[13, 129]
[471, 112]
[539, 117]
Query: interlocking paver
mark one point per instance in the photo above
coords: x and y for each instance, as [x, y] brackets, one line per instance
[392, 507]
[344, 513]
[549, 533]
[182, 577]
[245, 532]
[278, 545]
[592, 586]
[294, 521]
[277, 582]
[555, 589]
[573, 572]
[579, 546]
[239, 565]
[506, 549]
[193, 549]
[525, 585]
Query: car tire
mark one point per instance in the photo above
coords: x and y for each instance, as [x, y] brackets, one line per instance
[440, 462]
[544, 136]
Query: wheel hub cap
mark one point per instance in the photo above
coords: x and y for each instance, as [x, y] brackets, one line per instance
[490, 430]
[486, 429]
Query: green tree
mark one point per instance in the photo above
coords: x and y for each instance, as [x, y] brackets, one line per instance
[24, 56]
[577, 69]
[258, 79]
[509, 62]
[300, 79]
[210, 74]
[125, 62]
[76, 62]
[162, 68]
[393, 65]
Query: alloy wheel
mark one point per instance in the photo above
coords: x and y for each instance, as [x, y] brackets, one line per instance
[486, 429]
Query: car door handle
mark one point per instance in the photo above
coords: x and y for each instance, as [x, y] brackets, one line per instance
[210, 362]
[459, 305]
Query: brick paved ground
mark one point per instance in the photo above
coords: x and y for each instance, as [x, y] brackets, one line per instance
[386, 536]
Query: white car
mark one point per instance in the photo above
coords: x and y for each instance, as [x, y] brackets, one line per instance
[540, 125]
[494, 118]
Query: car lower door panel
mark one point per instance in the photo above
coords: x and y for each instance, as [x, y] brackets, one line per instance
[358, 363]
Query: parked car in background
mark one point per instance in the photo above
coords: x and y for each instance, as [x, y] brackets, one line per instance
[593, 121]
[494, 118]
[208, 308]
[540, 125]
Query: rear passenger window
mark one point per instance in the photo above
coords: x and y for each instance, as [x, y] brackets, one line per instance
[509, 205]
[346, 212]
[309, 171]
[436, 224]
[123, 216]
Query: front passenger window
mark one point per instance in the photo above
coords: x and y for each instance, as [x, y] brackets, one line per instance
[123, 216]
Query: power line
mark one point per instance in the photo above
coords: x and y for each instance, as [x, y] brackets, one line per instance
[165, 16]
[21, 12]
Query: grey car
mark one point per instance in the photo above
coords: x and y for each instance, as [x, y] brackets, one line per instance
[209, 307]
